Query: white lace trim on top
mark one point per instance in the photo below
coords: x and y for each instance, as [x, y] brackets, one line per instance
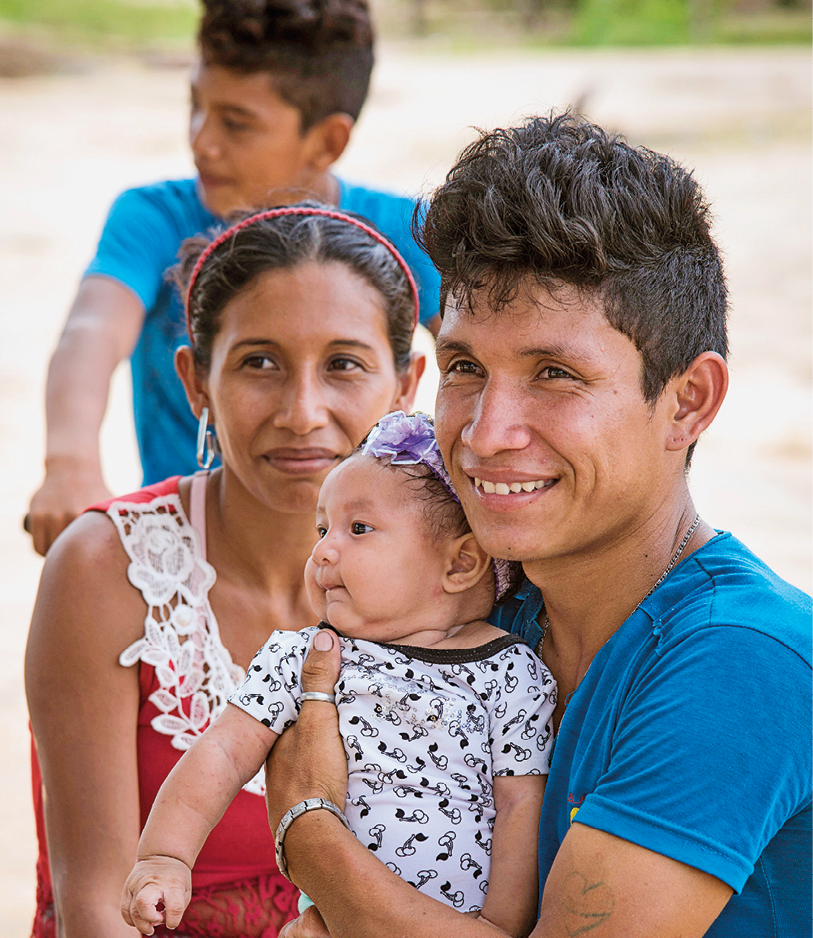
[181, 639]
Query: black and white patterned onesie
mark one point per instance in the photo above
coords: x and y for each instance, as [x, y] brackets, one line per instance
[425, 731]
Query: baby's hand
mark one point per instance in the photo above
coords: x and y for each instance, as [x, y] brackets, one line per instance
[154, 882]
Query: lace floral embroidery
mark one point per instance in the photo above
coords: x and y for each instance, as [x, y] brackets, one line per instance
[181, 640]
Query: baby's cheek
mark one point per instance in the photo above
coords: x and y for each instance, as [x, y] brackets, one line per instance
[316, 595]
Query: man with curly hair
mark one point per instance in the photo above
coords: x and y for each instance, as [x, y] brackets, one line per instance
[275, 94]
[582, 354]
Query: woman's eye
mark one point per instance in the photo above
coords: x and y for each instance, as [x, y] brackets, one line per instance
[343, 364]
[359, 527]
[260, 362]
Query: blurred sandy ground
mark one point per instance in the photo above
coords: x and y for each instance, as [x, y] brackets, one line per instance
[741, 118]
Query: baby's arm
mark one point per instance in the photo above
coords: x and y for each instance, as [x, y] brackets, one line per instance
[191, 801]
[513, 885]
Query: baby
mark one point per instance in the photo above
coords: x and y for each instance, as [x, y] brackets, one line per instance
[445, 718]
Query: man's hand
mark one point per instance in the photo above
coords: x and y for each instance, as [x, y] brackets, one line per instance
[308, 760]
[154, 882]
[70, 486]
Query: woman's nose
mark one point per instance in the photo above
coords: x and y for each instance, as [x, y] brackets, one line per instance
[303, 407]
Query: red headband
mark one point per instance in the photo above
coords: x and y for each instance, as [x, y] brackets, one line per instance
[303, 210]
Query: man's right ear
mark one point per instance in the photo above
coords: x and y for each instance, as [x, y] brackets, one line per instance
[194, 384]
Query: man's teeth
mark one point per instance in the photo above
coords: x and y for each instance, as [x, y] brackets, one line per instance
[505, 488]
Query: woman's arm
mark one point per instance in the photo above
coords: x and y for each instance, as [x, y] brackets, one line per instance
[84, 711]
[513, 884]
[191, 801]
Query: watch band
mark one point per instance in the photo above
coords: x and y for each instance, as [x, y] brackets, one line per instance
[309, 804]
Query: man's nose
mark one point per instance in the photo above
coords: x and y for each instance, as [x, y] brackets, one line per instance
[497, 422]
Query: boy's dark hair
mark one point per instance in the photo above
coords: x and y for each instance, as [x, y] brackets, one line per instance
[319, 53]
[558, 201]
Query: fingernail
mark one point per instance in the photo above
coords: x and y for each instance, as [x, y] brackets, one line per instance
[323, 640]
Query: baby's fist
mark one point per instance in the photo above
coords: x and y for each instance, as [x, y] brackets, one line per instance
[154, 882]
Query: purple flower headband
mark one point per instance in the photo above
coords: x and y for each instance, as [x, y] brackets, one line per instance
[410, 441]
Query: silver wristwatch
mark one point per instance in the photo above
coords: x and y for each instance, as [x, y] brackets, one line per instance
[310, 804]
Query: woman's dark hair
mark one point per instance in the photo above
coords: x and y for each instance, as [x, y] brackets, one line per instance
[319, 53]
[558, 201]
[284, 242]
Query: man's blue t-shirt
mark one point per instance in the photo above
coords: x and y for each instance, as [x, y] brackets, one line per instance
[140, 242]
[690, 735]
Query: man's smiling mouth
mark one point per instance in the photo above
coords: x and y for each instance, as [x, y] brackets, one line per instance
[511, 488]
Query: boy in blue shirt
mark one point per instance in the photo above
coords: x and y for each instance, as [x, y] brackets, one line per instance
[275, 95]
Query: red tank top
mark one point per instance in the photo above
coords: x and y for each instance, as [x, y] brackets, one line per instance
[237, 889]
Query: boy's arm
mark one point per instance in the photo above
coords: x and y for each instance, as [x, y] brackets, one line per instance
[513, 885]
[191, 801]
[103, 327]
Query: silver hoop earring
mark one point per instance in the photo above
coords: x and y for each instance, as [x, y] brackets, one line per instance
[206, 441]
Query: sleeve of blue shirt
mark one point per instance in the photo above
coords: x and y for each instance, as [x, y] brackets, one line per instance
[711, 754]
[140, 240]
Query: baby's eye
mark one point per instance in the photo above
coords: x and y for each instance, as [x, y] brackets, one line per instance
[321, 531]
[359, 527]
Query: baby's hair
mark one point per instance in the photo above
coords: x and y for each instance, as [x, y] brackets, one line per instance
[318, 53]
[299, 234]
[442, 512]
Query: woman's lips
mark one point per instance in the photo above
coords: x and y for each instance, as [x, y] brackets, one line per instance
[301, 462]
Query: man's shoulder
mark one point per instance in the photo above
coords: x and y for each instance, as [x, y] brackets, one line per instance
[725, 585]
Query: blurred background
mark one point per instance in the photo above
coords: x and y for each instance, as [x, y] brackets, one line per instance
[93, 99]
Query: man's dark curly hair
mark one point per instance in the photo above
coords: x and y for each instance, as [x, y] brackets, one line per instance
[318, 52]
[558, 201]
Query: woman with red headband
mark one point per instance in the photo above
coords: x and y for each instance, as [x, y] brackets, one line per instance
[151, 606]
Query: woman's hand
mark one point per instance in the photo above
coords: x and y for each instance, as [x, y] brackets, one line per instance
[156, 881]
[308, 760]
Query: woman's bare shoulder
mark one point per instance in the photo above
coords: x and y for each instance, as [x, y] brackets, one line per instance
[84, 582]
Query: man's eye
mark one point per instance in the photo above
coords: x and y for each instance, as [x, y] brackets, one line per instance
[358, 527]
[553, 372]
[462, 368]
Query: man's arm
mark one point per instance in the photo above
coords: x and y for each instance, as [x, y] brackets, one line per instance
[599, 885]
[102, 329]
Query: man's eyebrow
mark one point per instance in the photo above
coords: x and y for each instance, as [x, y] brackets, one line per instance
[236, 110]
[445, 344]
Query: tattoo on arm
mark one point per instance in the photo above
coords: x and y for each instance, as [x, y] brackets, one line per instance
[585, 905]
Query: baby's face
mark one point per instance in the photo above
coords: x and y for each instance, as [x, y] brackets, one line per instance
[376, 568]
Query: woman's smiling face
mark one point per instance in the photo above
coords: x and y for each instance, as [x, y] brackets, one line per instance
[301, 368]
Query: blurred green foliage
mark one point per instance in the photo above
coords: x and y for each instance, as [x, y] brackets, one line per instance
[460, 23]
[136, 21]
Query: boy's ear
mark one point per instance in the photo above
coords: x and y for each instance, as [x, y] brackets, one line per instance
[467, 564]
[328, 139]
[193, 384]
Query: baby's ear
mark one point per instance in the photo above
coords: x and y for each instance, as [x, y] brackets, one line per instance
[467, 564]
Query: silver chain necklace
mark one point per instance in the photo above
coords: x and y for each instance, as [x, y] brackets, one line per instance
[655, 585]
